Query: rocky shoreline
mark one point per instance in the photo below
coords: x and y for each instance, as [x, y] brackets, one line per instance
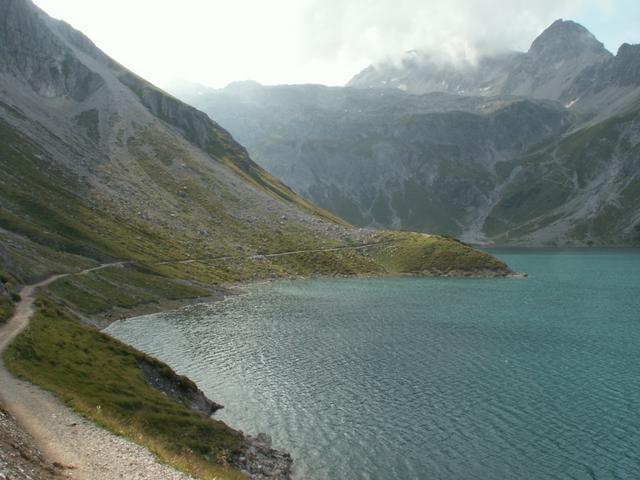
[480, 273]
[258, 461]
[261, 461]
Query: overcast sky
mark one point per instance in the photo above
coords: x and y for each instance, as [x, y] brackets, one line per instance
[215, 42]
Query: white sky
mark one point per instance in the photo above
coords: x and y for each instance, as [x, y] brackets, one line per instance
[215, 42]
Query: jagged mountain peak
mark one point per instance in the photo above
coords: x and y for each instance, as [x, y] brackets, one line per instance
[565, 63]
[566, 38]
[626, 66]
[564, 27]
[628, 51]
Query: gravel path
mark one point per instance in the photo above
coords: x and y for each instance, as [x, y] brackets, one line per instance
[85, 450]
[363, 246]
[19, 459]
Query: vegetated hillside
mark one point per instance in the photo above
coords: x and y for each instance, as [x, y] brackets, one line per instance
[450, 162]
[583, 187]
[100, 166]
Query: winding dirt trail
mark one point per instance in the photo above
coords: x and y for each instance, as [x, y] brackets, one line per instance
[362, 246]
[87, 451]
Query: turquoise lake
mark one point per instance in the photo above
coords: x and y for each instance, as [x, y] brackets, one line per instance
[409, 378]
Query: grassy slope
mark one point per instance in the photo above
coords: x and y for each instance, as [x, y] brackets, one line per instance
[55, 209]
[6, 307]
[416, 253]
[23, 262]
[99, 377]
[7, 297]
[120, 288]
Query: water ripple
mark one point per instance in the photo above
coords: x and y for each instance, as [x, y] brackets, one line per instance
[424, 378]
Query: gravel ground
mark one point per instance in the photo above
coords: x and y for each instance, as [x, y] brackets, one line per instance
[19, 459]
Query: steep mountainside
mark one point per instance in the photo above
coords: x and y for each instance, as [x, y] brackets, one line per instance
[98, 162]
[581, 188]
[453, 161]
[100, 167]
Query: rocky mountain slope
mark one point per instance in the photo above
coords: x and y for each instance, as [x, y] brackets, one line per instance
[99, 163]
[456, 157]
[383, 158]
[582, 188]
[99, 167]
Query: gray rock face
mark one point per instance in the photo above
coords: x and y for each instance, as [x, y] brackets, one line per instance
[179, 389]
[625, 67]
[261, 461]
[564, 40]
[195, 125]
[51, 72]
[580, 189]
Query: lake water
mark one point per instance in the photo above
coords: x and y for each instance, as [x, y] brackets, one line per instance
[407, 378]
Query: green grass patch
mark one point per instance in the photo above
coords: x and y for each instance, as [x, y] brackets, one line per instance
[419, 253]
[6, 308]
[99, 377]
[119, 287]
[8, 296]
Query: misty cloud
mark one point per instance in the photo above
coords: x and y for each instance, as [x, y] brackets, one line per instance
[215, 42]
[451, 30]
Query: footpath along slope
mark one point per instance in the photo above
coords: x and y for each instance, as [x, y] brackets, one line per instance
[84, 450]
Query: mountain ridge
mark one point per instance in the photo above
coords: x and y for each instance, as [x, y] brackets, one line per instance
[437, 161]
[558, 62]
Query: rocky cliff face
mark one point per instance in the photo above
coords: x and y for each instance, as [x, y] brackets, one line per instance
[582, 189]
[625, 69]
[52, 71]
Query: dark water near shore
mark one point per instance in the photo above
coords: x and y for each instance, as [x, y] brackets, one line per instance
[407, 378]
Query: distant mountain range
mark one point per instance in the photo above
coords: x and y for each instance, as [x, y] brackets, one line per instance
[558, 66]
[535, 148]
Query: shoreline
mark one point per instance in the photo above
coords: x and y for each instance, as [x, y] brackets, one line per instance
[261, 451]
[261, 461]
[102, 321]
